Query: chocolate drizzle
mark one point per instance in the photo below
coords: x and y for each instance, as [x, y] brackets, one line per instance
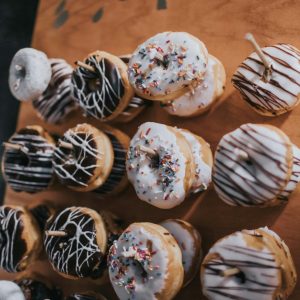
[78, 253]
[99, 93]
[281, 93]
[12, 245]
[56, 102]
[29, 170]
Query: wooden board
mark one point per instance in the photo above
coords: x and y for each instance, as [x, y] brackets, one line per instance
[72, 29]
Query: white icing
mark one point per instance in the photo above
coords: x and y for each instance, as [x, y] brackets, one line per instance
[203, 170]
[130, 256]
[281, 93]
[10, 291]
[258, 267]
[147, 180]
[186, 59]
[255, 180]
[204, 94]
[29, 74]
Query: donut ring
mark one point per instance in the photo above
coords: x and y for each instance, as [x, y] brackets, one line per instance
[105, 92]
[167, 65]
[29, 74]
[145, 263]
[253, 166]
[165, 179]
[204, 95]
[189, 241]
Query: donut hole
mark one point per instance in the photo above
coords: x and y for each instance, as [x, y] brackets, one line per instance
[240, 277]
[155, 161]
[94, 84]
[20, 71]
[139, 270]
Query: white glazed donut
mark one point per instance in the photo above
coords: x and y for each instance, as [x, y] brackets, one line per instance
[253, 166]
[189, 241]
[248, 264]
[10, 291]
[29, 74]
[282, 92]
[203, 161]
[159, 180]
[145, 263]
[204, 95]
[167, 65]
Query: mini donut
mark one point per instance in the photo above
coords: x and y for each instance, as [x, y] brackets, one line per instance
[253, 166]
[167, 66]
[76, 242]
[248, 264]
[87, 159]
[281, 93]
[86, 296]
[27, 160]
[56, 102]
[204, 96]
[163, 179]
[189, 241]
[29, 74]
[203, 159]
[20, 238]
[145, 263]
[105, 91]
[10, 291]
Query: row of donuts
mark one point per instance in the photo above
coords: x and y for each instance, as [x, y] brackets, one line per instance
[147, 260]
[171, 67]
[254, 165]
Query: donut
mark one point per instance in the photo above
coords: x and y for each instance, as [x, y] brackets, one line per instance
[167, 66]
[203, 159]
[253, 166]
[102, 88]
[145, 263]
[86, 296]
[83, 158]
[189, 241]
[117, 180]
[10, 291]
[204, 96]
[36, 287]
[163, 178]
[248, 264]
[27, 160]
[279, 94]
[29, 74]
[56, 102]
[20, 238]
[76, 242]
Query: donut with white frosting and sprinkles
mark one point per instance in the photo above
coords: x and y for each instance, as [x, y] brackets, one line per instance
[256, 165]
[167, 66]
[281, 92]
[145, 263]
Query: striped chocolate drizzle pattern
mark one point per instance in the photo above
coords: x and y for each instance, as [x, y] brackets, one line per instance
[282, 91]
[258, 179]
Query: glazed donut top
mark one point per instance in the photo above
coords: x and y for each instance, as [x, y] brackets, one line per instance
[98, 92]
[157, 180]
[281, 93]
[77, 254]
[137, 264]
[167, 63]
[56, 102]
[79, 166]
[12, 244]
[30, 168]
[10, 291]
[247, 250]
[252, 165]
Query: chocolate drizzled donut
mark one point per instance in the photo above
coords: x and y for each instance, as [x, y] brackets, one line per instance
[29, 169]
[56, 102]
[98, 92]
[12, 244]
[77, 254]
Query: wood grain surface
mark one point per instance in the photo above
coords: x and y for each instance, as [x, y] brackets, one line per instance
[72, 29]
